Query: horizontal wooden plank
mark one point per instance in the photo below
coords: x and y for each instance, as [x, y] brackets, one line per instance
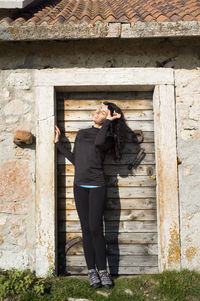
[144, 125]
[111, 169]
[111, 181]
[119, 238]
[100, 95]
[128, 270]
[68, 136]
[126, 159]
[114, 249]
[129, 148]
[113, 215]
[112, 226]
[122, 260]
[113, 203]
[126, 249]
[116, 192]
[92, 104]
[85, 114]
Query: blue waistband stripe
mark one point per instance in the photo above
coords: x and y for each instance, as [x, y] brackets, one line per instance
[88, 186]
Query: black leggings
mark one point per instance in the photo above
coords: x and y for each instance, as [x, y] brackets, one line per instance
[90, 204]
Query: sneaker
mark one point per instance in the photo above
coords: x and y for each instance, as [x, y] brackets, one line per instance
[95, 282]
[106, 280]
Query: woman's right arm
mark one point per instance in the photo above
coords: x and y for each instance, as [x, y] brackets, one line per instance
[66, 152]
[62, 146]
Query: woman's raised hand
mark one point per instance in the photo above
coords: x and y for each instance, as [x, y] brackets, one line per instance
[57, 134]
[115, 115]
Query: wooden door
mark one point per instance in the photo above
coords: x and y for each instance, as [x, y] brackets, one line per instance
[130, 216]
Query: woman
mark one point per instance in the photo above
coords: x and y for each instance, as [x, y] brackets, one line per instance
[107, 134]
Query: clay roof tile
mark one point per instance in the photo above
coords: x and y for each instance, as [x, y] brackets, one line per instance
[91, 11]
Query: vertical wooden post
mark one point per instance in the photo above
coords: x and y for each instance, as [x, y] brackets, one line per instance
[167, 178]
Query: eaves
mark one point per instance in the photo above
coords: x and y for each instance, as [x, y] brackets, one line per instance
[71, 31]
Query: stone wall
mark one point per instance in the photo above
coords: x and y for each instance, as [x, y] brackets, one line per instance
[17, 172]
[17, 111]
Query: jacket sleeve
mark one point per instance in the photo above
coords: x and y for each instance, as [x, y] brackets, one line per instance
[66, 152]
[103, 140]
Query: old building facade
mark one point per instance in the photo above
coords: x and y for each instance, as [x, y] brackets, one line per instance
[56, 65]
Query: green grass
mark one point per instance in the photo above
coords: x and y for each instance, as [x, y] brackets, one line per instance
[170, 285]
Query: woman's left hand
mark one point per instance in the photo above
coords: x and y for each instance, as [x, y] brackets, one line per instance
[115, 115]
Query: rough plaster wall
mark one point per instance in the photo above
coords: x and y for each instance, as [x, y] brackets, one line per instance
[101, 53]
[17, 172]
[18, 109]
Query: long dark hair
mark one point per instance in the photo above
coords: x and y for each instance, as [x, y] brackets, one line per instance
[118, 129]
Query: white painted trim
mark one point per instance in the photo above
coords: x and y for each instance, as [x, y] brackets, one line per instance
[159, 79]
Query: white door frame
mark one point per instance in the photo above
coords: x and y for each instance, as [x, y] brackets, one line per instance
[158, 80]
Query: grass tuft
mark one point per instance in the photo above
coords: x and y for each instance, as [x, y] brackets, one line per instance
[167, 286]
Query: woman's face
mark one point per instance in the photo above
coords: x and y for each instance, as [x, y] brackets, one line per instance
[100, 114]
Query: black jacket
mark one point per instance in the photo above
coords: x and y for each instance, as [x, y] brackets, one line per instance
[88, 154]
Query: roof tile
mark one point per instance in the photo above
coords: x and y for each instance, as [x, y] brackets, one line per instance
[188, 18]
[175, 18]
[91, 11]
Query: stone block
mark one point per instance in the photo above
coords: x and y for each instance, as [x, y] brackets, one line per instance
[3, 220]
[13, 208]
[19, 80]
[6, 95]
[22, 137]
[10, 259]
[17, 226]
[14, 107]
[15, 180]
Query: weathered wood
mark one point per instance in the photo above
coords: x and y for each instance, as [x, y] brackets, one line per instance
[70, 136]
[88, 114]
[110, 169]
[116, 192]
[123, 260]
[114, 215]
[167, 177]
[112, 226]
[129, 148]
[122, 249]
[114, 203]
[126, 159]
[120, 238]
[79, 104]
[101, 95]
[131, 181]
[144, 125]
[72, 243]
[130, 215]
[128, 270]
